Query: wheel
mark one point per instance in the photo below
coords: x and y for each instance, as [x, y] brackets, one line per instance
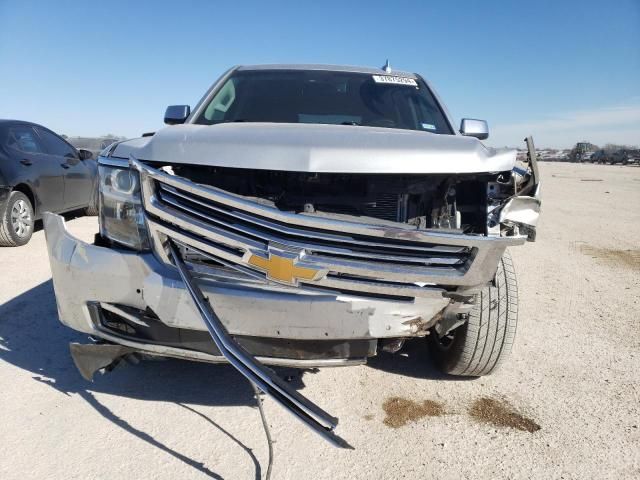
[16, 223]
[480, 345]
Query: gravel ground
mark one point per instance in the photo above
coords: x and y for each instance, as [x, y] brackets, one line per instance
[566, 405]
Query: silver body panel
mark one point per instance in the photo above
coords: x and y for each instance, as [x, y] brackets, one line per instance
[317, 148]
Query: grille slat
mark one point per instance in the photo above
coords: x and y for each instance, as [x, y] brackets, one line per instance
[242, 224]
[334, 284]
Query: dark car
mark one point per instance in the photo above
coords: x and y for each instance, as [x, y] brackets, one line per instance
[40, 172]
[600, 156]
[624, 156]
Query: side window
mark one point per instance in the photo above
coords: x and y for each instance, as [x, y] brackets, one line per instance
[56, 146]
[24, 139]
[220, 104]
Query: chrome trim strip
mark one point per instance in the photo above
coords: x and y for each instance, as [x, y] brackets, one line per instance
[247, 272]
[198, 227]
[304, 233]
[386, 271]
[310, 414]
[328, 285]
[366, 285]
[314, 247]
[390, 271]
[379, 288]
[113, 162]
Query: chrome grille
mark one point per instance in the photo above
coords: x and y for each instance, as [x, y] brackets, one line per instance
[380, 258]
[314, 243]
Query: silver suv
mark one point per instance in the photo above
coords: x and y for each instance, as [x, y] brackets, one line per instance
[301, 215]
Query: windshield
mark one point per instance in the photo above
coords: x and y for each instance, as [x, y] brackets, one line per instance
[339, 98]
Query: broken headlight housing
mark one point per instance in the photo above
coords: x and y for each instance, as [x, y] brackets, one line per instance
[121, 214]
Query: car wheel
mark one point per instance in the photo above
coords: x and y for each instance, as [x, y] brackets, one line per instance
[479, 346]
[16, 223]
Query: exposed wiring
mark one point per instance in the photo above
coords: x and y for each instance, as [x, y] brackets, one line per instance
[267, 432]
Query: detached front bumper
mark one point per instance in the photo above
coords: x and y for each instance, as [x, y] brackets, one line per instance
[280, 325]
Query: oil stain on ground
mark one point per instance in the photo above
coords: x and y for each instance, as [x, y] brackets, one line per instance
[501, 414]
[621, 258]
[401, 411]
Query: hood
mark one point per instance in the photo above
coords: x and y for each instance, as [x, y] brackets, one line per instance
[317, 148]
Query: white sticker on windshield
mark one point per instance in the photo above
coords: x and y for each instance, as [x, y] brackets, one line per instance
[428, 126]
[395, 80]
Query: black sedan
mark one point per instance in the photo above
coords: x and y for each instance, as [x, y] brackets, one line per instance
[40, 172]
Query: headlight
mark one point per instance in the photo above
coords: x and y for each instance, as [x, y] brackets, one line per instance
[121, 212]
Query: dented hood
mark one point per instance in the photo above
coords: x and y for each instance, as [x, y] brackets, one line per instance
[317, 148]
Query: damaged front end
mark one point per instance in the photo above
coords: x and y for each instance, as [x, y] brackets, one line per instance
[515, 204]
[282, 268]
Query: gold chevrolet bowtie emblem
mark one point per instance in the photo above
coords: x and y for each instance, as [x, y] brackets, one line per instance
[282, 267]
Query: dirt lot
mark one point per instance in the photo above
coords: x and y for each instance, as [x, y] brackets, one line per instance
[567, 405]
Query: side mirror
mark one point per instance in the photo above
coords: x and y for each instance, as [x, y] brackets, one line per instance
[471, 127]
[176, 114]
[85, 154]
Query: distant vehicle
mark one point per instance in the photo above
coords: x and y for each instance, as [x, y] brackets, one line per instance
[40, 172]
[624, 156]
[599, 156]
[634, 156]
[93, 144]
[581, 152]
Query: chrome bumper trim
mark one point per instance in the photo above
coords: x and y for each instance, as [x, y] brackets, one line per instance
[310, 414]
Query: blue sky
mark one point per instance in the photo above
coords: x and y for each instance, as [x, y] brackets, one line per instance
[562, 70]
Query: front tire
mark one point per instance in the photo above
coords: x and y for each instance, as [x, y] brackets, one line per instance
[479, 346]
[16, 222]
